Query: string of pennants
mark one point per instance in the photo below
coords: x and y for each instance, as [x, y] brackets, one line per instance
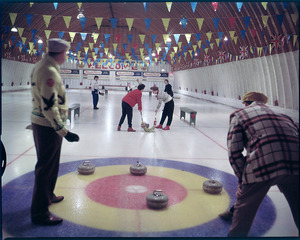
[276, 42]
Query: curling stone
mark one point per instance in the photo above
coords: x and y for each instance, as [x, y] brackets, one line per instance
[157, 199]
[138, 169]
[212, 186]
[86, 168]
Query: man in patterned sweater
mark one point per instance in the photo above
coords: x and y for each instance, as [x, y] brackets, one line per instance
[272, 143]
[50, 111]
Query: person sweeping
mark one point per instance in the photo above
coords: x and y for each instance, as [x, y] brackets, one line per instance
[168, 108]
[128, 102]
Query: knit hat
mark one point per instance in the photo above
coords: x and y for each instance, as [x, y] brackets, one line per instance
[57, 45]
[255, 96]
[154, 88]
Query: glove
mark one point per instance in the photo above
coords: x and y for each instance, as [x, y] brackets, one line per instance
[72, 137]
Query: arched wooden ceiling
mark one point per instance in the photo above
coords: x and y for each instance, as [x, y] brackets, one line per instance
[251, 26]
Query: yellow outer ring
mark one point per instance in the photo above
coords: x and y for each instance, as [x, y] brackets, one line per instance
[196, 209]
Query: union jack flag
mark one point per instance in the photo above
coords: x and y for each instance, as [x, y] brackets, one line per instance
[8, 55]
[277, 41]
[243, 52]
[206, 59]
[221, 55]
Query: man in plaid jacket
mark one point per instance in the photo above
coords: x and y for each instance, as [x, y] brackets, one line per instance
[271, 141]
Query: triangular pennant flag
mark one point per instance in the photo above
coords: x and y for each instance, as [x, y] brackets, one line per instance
[246, 21]
[145, 6]
[232, 21]
[294, 18]
[91, 46]
[175, 49]
[264, 5]
[200, 22]
[215, 5]
[147, 22]
[169, 5]
[72, 35]
[24, 40]
[218, 41]
[165, 36]
[235, 39]
[212, 45]
[280, 19]
[142, 38]
[13, 17]
[183, 22]
[106, 36]
[98, 21]
[106, 51]
[82, 21]
[67, 20]
[157, 47]
[96, 50]
[47, 19]
[166, 23]
[216, 22]
[125, 46]
[95, 36]
[194, 47]
[294, 39]
[31, 46]
[179, 45]
[20, 30]
[176, 37]
[262, 33]
[265, 20]
[55, 5]
[198, 35]
[118, 37]
[207, 43]
[193, 5]
[115, 45]
[239, 5]
[209, 35]
[243, 32]
[86, 49]
[61, 34]
[29, 18]
[83, 36]
[188, 37]
[153, 38]
[253, 32]
[199, 44]
[31, 4]
[220, 34]
[113, 22]
[47, 33]
[129, 36]
[231, 33]
[129, 23]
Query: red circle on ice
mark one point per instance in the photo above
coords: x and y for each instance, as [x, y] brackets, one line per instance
[130, 191]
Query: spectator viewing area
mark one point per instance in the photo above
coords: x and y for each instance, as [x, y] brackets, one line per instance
[173, 117]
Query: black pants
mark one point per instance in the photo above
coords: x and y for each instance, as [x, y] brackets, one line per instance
[167, 112]
[95, 98]
[48, 147]
[126, 110]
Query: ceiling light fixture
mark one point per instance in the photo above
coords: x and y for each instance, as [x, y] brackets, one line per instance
[40, 41]
[169, 39]
[225, 38]
[14, 29]
[80, 14]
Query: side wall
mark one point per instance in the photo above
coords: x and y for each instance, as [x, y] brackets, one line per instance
[15, 75]
[277, 76]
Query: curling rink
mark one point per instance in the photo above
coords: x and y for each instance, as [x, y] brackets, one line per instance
[111, 202]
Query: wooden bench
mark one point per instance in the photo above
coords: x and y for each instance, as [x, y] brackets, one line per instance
[192, 113]
[75, 108]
